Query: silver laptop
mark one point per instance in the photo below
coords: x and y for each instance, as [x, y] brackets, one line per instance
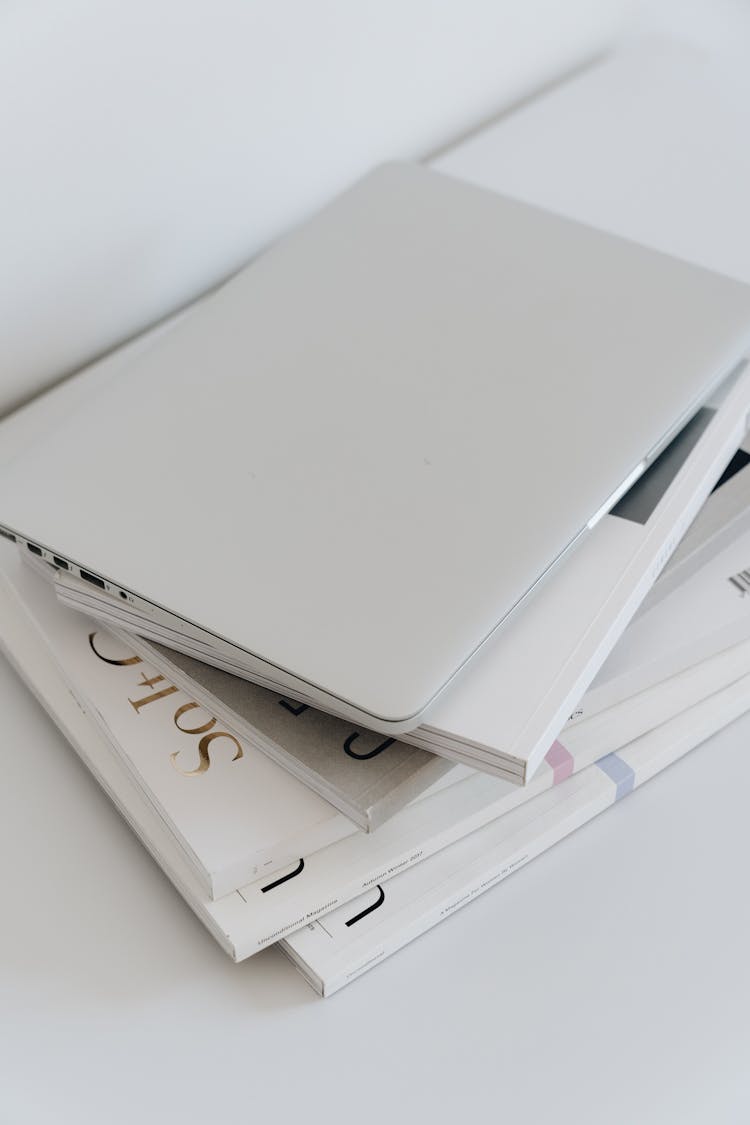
[350, 464]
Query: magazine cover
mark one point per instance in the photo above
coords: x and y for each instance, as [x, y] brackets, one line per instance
[664, 641]
[723, 518]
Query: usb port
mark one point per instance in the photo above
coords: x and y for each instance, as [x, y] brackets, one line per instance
[63, 565]
[34, 549]
[94, 578]
[7, 535]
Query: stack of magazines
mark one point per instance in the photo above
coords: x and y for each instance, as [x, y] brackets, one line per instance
[283, 821]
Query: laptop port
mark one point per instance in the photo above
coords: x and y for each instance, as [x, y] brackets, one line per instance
[7, 535]
[60, 562]
[93, 578]
[34, 549]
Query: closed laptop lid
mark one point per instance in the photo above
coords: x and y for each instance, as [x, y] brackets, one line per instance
[360, 454]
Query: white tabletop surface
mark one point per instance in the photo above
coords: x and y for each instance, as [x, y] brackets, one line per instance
[607, 982]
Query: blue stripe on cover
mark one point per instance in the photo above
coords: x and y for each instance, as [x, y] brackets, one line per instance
[618, 771]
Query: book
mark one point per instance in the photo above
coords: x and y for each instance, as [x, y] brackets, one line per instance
[504, 711]
[312, 885]
[333, 951]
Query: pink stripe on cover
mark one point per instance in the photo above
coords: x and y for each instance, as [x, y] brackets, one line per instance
[561, 761]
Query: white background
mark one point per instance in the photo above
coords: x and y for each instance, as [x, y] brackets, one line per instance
[149, 148]
[607, 982]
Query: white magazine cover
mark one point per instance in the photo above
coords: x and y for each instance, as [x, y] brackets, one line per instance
[503, 712]
[722, 519]
[664, 641]
[335, 950]
[259, 913]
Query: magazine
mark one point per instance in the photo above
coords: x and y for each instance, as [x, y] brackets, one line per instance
[723, 518]
[664, 641]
